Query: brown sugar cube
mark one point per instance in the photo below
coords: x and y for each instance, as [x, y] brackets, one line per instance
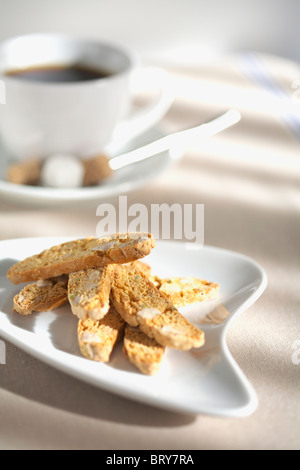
[27, 172]
[96, 169]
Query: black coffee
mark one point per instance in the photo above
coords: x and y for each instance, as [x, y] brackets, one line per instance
[59, 73]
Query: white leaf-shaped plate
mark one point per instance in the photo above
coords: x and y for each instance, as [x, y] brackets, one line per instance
[205, 380]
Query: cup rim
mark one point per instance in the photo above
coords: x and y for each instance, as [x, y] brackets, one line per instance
[127, 52]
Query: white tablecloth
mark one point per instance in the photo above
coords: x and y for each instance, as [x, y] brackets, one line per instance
[248, 179]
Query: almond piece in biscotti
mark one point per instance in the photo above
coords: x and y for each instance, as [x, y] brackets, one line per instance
[88, 292]
[97, 339]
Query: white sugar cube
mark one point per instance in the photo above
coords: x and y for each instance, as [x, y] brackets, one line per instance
[62, 171]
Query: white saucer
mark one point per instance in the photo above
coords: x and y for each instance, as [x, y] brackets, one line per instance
[124, 180]
[205, 380]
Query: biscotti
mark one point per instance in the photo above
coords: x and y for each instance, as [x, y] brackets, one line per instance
[115, 296]
[81, 254]
[142, 266]
[88, 292]
[143, 352]
[96, 339]
[141, 304]
[42, 296]
[182, 291]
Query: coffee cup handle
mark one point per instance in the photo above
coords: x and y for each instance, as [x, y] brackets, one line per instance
[148, 116]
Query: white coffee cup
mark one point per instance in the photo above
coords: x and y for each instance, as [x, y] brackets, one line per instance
[80, 118]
